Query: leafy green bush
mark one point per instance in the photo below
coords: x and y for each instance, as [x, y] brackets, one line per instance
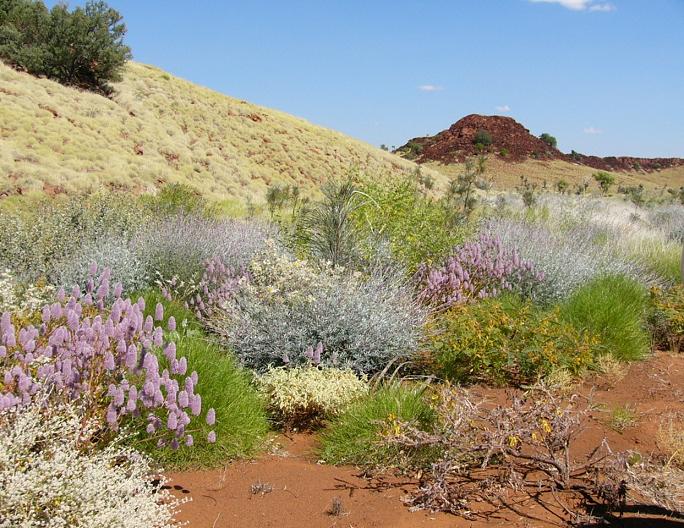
[241, 420]
[354, 436]
[83, 47]
[614, 308]
[549, 139]
[416, 227]
[483, 138]
[305, 395]
[605, 180]
[505, 340]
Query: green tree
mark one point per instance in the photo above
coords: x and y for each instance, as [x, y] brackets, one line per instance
[83, 47]
[483, 139]
[549, 140]
[605, 180]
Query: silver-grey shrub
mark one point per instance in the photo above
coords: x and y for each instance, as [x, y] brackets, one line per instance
[287, 308]
[569, 257]
[178, 246]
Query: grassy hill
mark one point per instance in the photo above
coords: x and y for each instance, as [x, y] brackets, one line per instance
[158, 129]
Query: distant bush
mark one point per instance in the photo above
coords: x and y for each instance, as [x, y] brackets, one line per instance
[614, 308]
[416, 227]
[477, 270]
[283, 308]
[549, 140]
[482, 138]
[306, 395]
[605, 180]
[51, 476]
[83, 47]
[354, 436]
[412, 150]
[506, 341]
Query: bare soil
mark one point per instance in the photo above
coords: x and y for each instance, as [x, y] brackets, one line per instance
[288, 488]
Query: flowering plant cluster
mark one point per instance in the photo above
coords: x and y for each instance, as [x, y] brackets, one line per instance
[476, 270]
[50, 477]
[303, 394]
[108, 356]
[25, 298]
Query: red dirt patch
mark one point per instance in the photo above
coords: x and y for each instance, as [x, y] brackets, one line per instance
[303, 490]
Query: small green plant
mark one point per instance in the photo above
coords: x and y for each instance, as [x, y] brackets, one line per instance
[622, 417]
[528, 192]
[549, 139]
[666, 317]
[614, 308]
[605, 181]
[562, 186]
[483, 139]
[302, 396]
[354, 436]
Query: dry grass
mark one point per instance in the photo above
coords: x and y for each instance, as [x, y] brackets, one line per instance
[671, 440]
[611, 370]
[506, 175]
[157, 129]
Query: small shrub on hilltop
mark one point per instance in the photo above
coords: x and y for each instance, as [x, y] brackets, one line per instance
[354, 437]
[416, 227]
[477, 270]
[83, 47]
[504, 341]
[284, 307]
[614, 308]
[549, 140]
[105, 355]
[51, 477]
[482, 139]
[305, 395]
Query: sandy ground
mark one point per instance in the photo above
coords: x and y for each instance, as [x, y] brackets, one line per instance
[302, 490]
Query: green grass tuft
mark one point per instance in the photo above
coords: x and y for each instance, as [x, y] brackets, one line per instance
[241, 420]
[354, 436]
[613, 308]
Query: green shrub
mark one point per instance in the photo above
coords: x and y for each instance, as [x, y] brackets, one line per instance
[605, 180]
[482, 138]
[354, 437]
[416, 227]
[241, 420]
[305, 395]
[176, 199]
[83, 47]
[505, 340]
[549, 139]
[613, 308]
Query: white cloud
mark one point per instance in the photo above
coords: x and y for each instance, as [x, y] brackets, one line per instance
[592, 131]
[430, 88]
[503, 109]
[579, 5]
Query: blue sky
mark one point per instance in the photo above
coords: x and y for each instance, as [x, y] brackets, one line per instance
[604, 77]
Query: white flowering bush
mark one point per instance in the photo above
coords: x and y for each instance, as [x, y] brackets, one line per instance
[22, 297]
[305, 394]
[51, 477]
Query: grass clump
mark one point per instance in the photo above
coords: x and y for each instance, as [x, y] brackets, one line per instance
[622, 417]
[354, 437]
[613, 308]
[241, 420]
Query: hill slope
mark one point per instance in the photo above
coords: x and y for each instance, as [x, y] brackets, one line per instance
[512, 142]
[157, 129]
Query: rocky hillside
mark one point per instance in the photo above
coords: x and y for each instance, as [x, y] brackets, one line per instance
[507, 139]
[158, 128]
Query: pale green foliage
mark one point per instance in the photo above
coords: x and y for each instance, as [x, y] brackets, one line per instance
[301, 394]
[19, 297]
[51, 478]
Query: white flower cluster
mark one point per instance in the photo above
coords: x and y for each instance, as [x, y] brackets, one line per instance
[305, 393]
[51, 478]
[17, 297]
